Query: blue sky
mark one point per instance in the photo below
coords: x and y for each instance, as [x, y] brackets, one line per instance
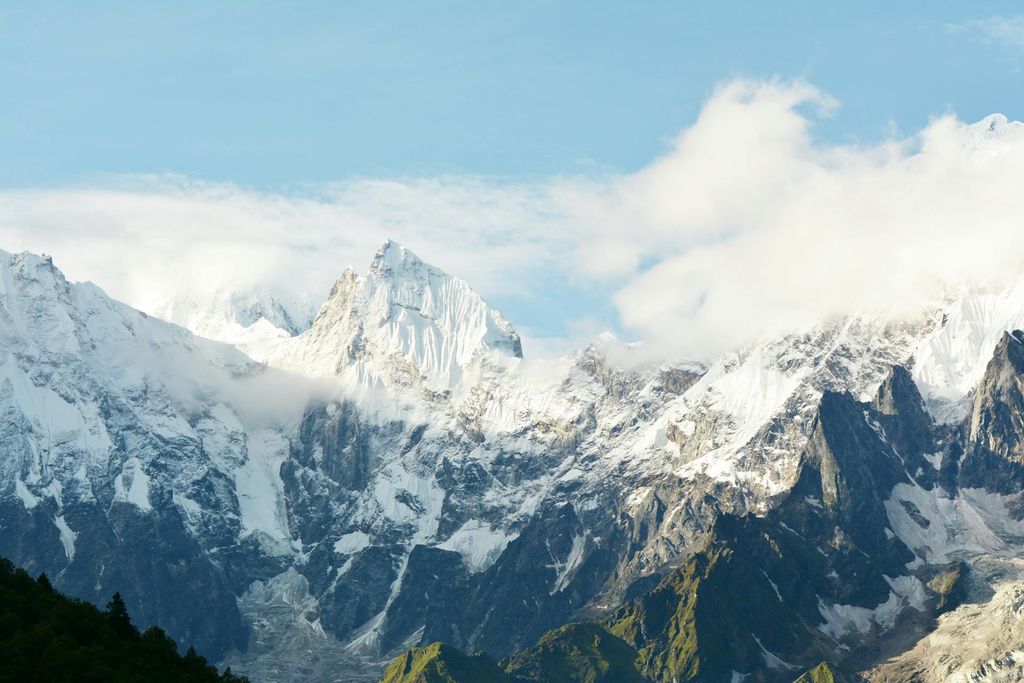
[123, 122]
[269, 94]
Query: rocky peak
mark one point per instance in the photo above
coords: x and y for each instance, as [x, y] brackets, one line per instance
[35, 305]
[848, 466]
[93, 393]
[904, 418]
[898, 395]
[999, 397]
[995, 443]
[26, 271]
[394, 261]
[404, 322]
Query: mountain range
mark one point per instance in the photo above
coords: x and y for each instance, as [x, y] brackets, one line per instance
[309, 495]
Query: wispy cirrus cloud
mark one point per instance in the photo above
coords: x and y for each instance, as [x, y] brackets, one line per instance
[1005, 31]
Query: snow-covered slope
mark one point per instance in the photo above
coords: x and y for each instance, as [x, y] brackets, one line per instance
[248, 319]
[404, 322]
[950, 362]
[128, 443]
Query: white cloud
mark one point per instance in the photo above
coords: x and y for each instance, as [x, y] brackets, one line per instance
[753, 227]
[747, 225]
[147, 239]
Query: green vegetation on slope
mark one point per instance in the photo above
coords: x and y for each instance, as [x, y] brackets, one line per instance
[584, 653]
[822, 673]
[441, 663]
[721, 611]
[747, 603]
[662, 625]
[951, 588]
[47, 637]
[653, 638]
[695, 625]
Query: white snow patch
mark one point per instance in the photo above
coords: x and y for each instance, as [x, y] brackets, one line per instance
[771, 660]
[343, 569]
[752, 392]
[351, 543]
[885, 614]
[25, 495]
[479, 543]
[67, 537]
[950, 363]
[974, 521]
[406, 498]
[191, 509]
[567, 569]
[132, 485]
[572, 474]
[58, 425]
[843, 619]
[260, 491]
[774, 587]
[910, 589]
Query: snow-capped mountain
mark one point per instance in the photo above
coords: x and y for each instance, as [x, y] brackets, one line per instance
[129, 449]
[405, 322]
[395, 471]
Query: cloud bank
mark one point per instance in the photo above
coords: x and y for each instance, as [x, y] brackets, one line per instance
[747, 225]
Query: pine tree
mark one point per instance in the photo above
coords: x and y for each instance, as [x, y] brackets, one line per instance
[46, 636]
[117, 614]
[44, 582]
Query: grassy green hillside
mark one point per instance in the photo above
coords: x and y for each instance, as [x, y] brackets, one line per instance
[440, 663]
[588, 653]
[823, 673]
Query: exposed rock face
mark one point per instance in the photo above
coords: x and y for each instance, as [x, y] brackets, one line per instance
[823, 575]
[768, 597]
[903, 417]
[994, 457]
[849, 467]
